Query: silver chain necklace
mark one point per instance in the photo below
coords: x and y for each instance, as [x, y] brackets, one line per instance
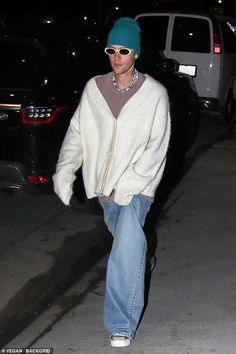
[128, 87]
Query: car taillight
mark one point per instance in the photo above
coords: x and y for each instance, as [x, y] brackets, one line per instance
[38, 179]
[40, 115]
[217, 43]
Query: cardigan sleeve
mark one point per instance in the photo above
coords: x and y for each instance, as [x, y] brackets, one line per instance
[70, 159]
[144, 175]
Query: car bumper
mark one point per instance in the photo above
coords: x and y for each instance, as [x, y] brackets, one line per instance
[14, 176]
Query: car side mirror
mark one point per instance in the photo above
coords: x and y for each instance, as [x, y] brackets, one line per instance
[169, 65]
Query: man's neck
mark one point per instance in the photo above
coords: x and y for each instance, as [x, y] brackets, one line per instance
[124, 79]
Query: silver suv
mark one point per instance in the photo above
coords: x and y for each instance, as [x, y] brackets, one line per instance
[205, 47]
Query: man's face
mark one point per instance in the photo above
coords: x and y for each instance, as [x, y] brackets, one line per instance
[121, 64]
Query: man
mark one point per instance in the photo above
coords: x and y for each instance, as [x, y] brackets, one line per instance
[119, 134]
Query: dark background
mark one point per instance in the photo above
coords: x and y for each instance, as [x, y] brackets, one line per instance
[102, 11]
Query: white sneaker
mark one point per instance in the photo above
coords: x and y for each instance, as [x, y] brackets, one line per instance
[120, 340]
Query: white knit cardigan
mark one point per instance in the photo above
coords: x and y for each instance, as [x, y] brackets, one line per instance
[126, 155]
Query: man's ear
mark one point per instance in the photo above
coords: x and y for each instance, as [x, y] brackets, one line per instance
[136, 56]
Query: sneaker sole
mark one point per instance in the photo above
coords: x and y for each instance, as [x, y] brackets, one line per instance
[120, 343]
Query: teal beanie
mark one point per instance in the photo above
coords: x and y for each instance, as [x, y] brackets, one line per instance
[125, 32]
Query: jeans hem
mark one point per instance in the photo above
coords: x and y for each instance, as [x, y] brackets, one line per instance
[124, 332]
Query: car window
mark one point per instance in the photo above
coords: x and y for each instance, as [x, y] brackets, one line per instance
[68, 63]
[191, 35]
[151, 59]
[82, 61]
[229, 36]
[50, 71]
[17, 63]
[155, 27]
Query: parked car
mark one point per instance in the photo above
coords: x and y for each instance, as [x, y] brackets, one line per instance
[205, 48]
[42, 75]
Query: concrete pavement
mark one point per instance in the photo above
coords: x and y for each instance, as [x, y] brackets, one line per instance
[192, 298]
[45, 260]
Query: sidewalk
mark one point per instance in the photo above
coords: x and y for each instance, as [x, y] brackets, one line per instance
[45, 263]
[192, 299]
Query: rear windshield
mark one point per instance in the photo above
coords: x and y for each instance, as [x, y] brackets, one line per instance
[23, 64]
[17, 63]
[155, 28]
[191, 35]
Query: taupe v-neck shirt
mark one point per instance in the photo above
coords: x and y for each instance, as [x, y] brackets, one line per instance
[115, 99]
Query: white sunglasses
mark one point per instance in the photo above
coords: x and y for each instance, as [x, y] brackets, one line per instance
[121, 51]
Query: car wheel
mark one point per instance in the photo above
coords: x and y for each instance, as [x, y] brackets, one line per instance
[176, 150]
[227, 116]
[191, 121]
[229, 110]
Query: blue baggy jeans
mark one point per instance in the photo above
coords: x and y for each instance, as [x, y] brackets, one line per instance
[124, 299]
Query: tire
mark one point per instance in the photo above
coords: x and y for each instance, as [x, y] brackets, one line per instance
[176, 150]
[227, 116]
[230, 111]
[191, 123]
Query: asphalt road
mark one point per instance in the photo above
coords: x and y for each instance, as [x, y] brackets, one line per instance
[44, 247]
